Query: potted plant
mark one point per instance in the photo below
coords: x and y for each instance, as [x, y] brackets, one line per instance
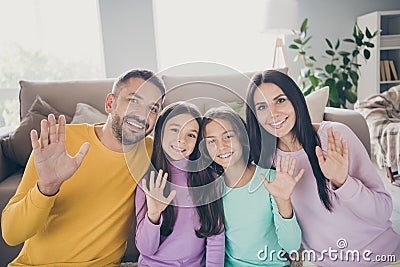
[341, 73]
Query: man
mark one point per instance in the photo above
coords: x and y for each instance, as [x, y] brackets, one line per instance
[77, 211]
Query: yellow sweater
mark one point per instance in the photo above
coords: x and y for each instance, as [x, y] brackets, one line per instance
[87, 222]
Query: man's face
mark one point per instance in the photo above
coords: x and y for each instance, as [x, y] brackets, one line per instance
[134, 111]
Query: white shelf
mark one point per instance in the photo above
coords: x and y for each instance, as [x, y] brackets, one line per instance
[386, 47]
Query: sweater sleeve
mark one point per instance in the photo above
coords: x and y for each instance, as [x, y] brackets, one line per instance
[27, 211]
[287, 230]
[147, 234]
[215, 250]
[363, 184]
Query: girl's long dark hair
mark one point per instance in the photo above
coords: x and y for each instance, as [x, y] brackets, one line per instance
[211, 214]
[263, 144]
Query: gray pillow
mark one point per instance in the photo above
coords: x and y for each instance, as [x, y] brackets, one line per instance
[17, 146]
[85, 113]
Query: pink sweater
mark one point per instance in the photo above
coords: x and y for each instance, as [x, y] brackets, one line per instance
[361, 209]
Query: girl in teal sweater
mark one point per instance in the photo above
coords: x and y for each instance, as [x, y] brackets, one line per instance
[260, 225]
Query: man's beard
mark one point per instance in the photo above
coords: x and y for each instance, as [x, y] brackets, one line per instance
[128, 138]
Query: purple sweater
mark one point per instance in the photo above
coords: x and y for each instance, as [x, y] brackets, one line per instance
[182, 247]
[361, 207]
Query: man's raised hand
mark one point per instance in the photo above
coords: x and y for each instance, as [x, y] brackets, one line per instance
[53, 164]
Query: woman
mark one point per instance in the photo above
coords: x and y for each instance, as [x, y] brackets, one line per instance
[341, 203]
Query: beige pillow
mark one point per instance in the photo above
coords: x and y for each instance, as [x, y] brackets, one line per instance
[85, 113]
[17, 146]
[316, 103]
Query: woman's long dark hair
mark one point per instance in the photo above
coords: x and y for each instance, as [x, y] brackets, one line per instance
[211, 214]
[263, 144]
[239, 127]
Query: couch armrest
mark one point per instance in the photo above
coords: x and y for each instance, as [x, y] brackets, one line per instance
[354, 120]
[7, 166]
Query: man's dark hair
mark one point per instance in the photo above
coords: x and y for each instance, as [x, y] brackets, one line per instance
[146, 75]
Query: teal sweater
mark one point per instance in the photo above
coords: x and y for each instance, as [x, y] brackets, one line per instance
[254, 227]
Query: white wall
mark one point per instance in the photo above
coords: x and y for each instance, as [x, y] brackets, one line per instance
[333, 20]
[128, 35]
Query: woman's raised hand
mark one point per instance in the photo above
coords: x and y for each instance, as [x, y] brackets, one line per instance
[284, 182]
[335, 166]
[53, 164]
[156, 201]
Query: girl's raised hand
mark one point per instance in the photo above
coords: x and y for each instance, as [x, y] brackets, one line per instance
[335, 166]
[281, 188]
[156, 201]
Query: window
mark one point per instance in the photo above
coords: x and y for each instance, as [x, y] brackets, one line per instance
[46, 40]
[225, 32]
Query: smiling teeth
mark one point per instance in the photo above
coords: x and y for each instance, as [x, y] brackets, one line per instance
[178, 148]
[278, 123]
[224, 156]
[135, 124]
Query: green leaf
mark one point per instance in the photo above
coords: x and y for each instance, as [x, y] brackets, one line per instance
[330, 68]
[314, 81]
[307, 90]
[368, 33]
[354, 77]
[376, 33]
[355, 53]
[356, 65]
[330, 52]
[293, 46]
[368, 44]
[298, 41]
[303, 27]
[337, 44]
[305, 72]
[302, 53]
[346, 60]
[344, 53]
[367, 54]
[359, 41]
[312, 58]
[348, 40]
[309, 64]
[306, 40]
[350, 96]
[329, 43]
[347, 85]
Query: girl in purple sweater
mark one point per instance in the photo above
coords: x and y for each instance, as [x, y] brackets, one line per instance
[341, 204]
[179, 213]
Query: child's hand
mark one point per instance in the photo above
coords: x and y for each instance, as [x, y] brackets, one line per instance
[281, 188]
[156, 202]
[335, 166]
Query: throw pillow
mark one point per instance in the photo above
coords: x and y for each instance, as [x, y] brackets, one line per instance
[239, 107]
[85, 113]
[316, 103]
[17, 146]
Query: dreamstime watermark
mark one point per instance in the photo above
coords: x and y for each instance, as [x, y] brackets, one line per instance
[332, 254]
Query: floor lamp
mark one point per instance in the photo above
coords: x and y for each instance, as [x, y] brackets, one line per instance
[280, 18]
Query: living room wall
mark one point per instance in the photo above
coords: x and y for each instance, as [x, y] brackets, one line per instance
[129, 38]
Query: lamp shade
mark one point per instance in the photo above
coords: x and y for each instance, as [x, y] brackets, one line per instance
[281, 16]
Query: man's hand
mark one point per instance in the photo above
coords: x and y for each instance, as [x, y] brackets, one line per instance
[53, 164]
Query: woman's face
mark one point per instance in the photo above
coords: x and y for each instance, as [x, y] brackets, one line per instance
[223, 143]
[180, 136]
[274, 111]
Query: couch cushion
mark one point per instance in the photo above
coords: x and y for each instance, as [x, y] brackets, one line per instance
[87, 114]
[316, 103]
[200, 90]
[64, 95]
[17, 146]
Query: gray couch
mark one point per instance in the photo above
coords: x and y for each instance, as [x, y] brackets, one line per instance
[64, 95]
